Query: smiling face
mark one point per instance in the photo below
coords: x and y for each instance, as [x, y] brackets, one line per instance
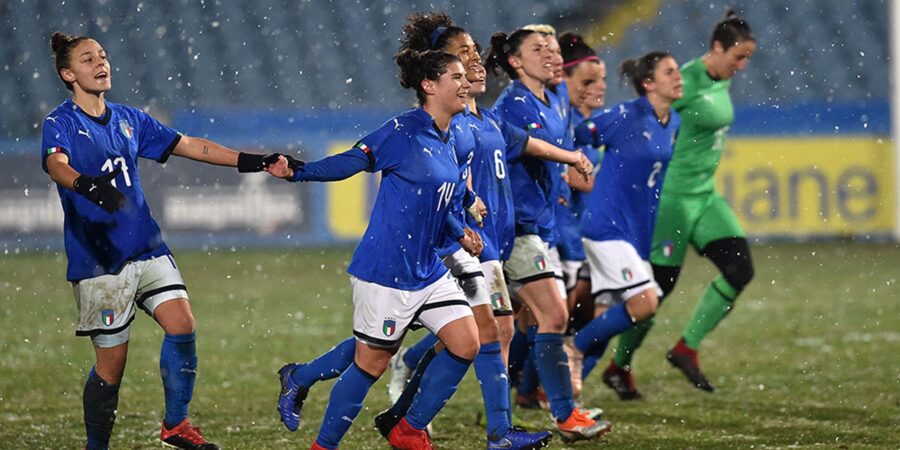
[587, 84]
[463, 46]
[88, 68]
[449, 91]
[667, 81]
[533, 59]
[556, 59]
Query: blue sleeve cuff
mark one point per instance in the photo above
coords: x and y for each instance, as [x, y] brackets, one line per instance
[455, 229]
[333, 168]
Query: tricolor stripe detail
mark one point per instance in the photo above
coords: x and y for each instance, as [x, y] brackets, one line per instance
[534, 126]
[53, 150]
[592, 127]
[365, 148]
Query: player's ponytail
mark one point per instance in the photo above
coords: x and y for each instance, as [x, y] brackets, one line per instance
[502, 46]
[732, 30]
[638, 70]
[62, 45]
[575, 51]
[416, 67]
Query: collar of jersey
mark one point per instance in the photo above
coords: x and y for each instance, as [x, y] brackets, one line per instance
[102, 120]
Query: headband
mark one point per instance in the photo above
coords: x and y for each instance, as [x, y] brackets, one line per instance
[575, 62]
[436, 36]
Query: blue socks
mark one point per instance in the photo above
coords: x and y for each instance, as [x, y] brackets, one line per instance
[329, 365]
[100, 400]
[400, 408]
[553, 367]
[600, 330]
[346, 401]
[494, 389]
[438, 385]
[518, 352]
[415, 353]
[178, 370]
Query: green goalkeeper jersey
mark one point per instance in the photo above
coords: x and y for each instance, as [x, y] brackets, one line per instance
[706, 114]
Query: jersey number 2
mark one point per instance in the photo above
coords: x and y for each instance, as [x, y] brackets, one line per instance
[109, 166]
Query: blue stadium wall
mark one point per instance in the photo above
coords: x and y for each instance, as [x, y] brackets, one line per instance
[802, 172]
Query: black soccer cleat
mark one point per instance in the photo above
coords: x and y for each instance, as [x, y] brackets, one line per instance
[689, 366]
[620, 380]
[385, 421]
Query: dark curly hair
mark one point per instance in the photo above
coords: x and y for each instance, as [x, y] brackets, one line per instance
[428, 31]
[417, 66]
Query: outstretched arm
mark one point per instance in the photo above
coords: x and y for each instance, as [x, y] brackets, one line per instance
[333, 168]
[205, 150]
[544, 150]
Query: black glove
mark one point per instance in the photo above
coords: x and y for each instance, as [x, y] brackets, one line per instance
[251, 162]
[294, 163]
[100, 191]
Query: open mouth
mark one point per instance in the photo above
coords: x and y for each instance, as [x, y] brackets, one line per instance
[102, 76]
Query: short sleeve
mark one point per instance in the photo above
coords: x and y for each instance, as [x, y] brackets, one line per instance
[385, 147]
[154, 140]
[599, 129]
[516, 139]
[55, 138]
[525, 116]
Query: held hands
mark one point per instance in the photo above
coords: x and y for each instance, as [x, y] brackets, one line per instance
[251, 162]
[583, 165]
[472, 242]
[478, 211]
[101, 191]
[284, 167]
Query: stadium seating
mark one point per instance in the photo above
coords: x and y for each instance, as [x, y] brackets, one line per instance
[276, 53]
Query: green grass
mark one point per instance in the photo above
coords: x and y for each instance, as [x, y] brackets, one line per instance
[810, 357]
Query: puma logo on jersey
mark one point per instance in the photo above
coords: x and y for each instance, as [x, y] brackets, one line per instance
[648, 135]
[458, 128]
[397, 124]
[473, 126]
[427, 150]
[519, 99]
[84, 133]
[51, 118]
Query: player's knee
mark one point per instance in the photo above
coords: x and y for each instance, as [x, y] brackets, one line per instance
[488, 331]
[505, 331]
[465, 347]
[739, 274]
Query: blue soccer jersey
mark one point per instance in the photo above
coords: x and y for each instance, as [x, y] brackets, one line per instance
[99, 243]
[420, 175]
[535, 183]
[464, 143]
[625, 198]
[495, 141]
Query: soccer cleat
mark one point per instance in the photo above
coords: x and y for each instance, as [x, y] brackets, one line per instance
[620, 380]
[576, 364]
[185, 436]
[579, 427]
[291, 397]
[316, 446]
[518, 439]
[385, 421]
[400, 374]
[405, 437]
[533, 400]
[688, 365]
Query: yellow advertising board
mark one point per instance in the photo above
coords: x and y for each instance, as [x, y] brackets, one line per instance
[779, 187]
[796, 187]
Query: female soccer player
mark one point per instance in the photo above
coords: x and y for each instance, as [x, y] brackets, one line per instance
[621, 210]
[585, 76]
[485, 141]
[396, 275]
[691, 212]
[525, 57]
[117, 260]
